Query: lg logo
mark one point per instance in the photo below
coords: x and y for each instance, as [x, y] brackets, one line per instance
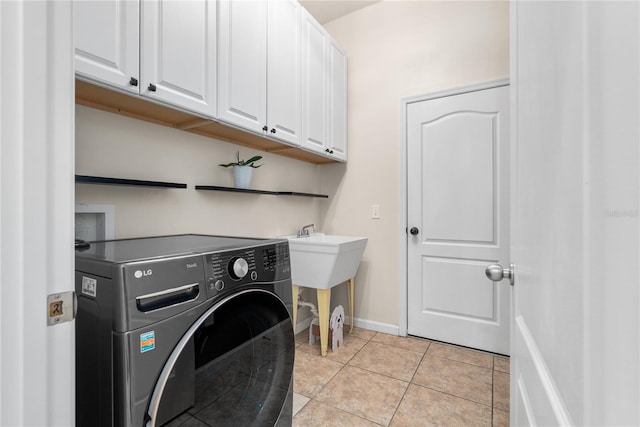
[142, 273]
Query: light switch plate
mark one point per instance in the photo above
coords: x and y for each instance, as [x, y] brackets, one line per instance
[375, 211]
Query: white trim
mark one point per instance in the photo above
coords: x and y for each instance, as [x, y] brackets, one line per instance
[37, 362]
[551, 392]
[359, 323]
[402, 227]
[514, 385]
[403, 212]
[376, 326]
[525, 401]
[459, 90]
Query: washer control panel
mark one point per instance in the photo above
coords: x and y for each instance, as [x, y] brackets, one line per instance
[231, 269]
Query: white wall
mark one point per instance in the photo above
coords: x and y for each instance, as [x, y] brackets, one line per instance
[398, 49]
[115, 146]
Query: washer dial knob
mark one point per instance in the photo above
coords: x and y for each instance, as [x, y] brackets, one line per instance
[238, 268]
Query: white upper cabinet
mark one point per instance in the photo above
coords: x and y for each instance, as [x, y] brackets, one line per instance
[324, 92]
[178, 53]
[337, 114]
[106, 42]
[242, 57]
[283, 71]
[314, 84]
[258, 66]
[165, 50]
[263, 66]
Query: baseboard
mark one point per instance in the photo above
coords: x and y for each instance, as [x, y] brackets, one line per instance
[377, 326]
[303, 325]
[359, 323]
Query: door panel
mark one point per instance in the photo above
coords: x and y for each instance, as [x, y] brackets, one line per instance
[242, 67]
[456, 210]
[458, 200]
[337, 101]
[464, 297]
[314, 84]
[181, 64]
[106, 35]
[575, 232]
[283, 73]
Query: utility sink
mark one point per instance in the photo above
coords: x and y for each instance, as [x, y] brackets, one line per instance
[322, 261]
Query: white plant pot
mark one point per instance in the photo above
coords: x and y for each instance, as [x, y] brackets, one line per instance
[242, 176]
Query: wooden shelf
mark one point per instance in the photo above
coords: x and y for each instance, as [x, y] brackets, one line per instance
[250, 191]
[138, 107]
[86, 179]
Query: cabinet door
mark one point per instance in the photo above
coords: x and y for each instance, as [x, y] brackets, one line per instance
[106, 42]
[314, 84]
[242, 67]
[337, 113]
[178, 53]
[283, 71]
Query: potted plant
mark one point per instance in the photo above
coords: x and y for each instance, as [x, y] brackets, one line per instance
[242, 170]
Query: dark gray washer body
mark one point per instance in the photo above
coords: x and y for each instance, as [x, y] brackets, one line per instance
[137, 298]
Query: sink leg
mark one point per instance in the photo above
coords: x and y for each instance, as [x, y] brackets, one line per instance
[294, 292]
[324, 301]
[350, 286]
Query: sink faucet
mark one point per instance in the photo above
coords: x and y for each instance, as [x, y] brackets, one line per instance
[304, 231]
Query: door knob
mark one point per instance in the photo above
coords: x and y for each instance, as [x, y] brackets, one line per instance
[496, 273]
[414, 230]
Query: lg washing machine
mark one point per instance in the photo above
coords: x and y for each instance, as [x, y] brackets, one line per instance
[190, 330]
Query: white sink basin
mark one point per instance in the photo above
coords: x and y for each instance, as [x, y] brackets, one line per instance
[322, 261]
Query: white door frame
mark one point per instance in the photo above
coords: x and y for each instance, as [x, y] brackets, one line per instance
[402, 228]
[37, 362]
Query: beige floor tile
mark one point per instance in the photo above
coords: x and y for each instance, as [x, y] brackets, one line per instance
[317, 414]
[408, 343]
[298, 402]
[501, 363]
[387, 360]
[460, 379]
[351, 346]
[501, 390]
[364, 334]
[460, 354]
[311, 373]
[364, 394]
[425, 407]
[500, 418]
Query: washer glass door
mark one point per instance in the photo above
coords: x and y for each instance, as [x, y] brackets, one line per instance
[233, 367]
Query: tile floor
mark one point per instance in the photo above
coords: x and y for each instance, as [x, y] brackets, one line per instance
[385, 380]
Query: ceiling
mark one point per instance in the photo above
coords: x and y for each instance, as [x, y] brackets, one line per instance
[328, 10]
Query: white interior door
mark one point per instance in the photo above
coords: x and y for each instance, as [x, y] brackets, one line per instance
[458, 208]
[575, 238]
[37, 362]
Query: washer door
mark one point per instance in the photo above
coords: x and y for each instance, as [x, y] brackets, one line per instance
[234, 367]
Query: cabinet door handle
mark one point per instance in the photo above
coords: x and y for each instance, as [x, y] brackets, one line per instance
[265, 128]
[133, 81]
[152, 87]
[273, 130]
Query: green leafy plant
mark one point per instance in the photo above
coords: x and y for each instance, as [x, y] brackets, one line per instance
[239, 162]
